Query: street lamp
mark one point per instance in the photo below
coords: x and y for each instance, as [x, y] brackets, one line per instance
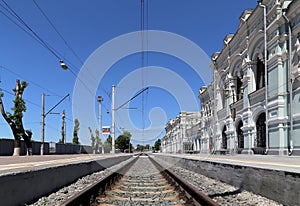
[63, 65]
[100, 99]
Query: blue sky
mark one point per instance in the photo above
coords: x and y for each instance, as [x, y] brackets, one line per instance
[86, 25]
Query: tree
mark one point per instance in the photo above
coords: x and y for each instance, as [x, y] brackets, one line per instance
[107, 143]
[75, 133]
[140, 147]
[15, 120]
[122, 142]
[157, 145]
[92, 139]
[63, 132]
[97, 140]
[60, 141]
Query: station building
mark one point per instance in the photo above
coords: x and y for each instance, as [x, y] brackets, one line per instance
[177, 139]
[253, 104]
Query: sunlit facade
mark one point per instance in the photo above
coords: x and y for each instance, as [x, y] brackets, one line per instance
[253, 104]
[176, 139]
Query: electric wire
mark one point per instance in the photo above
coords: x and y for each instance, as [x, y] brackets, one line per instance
[43, 43]
[30, 81]
[56, 30]
[35, 36]
[26, 100]
[66, 43]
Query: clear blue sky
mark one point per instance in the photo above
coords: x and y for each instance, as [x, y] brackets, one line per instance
[86, 25]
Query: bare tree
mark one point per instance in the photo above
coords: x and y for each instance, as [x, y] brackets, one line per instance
[15, 120]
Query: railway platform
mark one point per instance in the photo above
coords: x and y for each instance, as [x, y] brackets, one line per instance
[270, 162]
[275, 177]
[255, 173]
[15, 164]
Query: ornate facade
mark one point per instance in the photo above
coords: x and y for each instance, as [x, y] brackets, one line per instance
[176, 139]
[253, 103]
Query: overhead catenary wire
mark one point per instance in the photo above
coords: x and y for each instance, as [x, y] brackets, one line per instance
[26, 100]
[37, 37]
[23, 25]
[56, 30]
[66, 43]
[19, 22]
[29, 81]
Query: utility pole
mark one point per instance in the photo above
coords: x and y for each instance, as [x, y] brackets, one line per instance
[113, 109]
[43, 124]
[44, 116]
[63, 128]
[100, 99]
[113, 119]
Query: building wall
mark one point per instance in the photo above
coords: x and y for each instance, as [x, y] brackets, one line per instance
[264, 110]
[176, 139]
[253, 103]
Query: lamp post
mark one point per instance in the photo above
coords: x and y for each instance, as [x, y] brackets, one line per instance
[100, 99]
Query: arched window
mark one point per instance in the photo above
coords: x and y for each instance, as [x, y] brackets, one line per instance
[240, 135]
[261, 130]
[224, 138]
[260, 74]
[239, 88]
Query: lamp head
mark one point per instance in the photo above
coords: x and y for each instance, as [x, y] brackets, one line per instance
[63, 65]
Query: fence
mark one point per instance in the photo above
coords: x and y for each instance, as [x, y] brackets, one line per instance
[7, 148]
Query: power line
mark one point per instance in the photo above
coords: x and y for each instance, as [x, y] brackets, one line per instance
[23, 25]
[38, 38]
[30, 102]
[65, 41]
[31, 82]
[56, 30]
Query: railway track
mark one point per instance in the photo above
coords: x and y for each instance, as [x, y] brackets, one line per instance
[141, 182]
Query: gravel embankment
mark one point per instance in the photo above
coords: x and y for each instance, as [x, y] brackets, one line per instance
[222, 193]
[63, 194]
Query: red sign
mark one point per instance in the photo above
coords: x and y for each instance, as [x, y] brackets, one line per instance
[106, 130]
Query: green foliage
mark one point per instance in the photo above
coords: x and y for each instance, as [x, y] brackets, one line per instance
[107, 143]
[75, 132]
[140, 147]
[14, 119]
[92, 138]
[157, 145]
[75, 140]
[122, 143]
[126, 133]
[97, 140]
[18, 109]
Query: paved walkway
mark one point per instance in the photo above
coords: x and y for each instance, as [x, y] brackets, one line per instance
[272, 162]
[13, 164]
[9, 164]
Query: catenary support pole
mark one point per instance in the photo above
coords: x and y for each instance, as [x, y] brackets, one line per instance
[113, 120]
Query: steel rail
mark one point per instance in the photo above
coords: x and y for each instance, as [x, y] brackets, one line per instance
[86, 196]
[89, 194]
[198, 196]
